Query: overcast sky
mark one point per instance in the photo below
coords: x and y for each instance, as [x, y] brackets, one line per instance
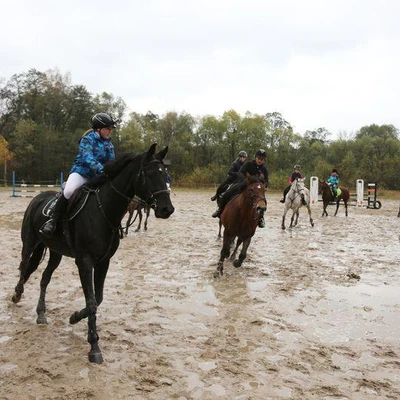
[332, 64]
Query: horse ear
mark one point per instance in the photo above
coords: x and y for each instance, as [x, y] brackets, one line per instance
[151, 151]
[161, 154]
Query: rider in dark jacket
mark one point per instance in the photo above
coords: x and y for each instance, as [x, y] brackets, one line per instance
[256, 168]
[232, 174]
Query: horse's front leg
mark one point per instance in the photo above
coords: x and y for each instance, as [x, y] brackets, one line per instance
[345, 207]
[147, 217]
[243, 254]
[225, 251]
[309, 214]
[297, 217]
[337, 207]
[238, 243]
[283, 218]
[139, 213]
[85, 266]
[54, 262]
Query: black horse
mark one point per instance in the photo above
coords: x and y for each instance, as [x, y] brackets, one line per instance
[92, 236]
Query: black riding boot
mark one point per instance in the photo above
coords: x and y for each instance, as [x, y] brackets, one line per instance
[49, 226]
[285, 192]
[217, 213]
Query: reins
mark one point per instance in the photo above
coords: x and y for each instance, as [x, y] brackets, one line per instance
[254, 201]
[297, 193]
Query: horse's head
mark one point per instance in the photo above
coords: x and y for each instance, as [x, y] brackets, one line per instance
[256, 188]
[152, 182]
[298, 186]
[322, 185]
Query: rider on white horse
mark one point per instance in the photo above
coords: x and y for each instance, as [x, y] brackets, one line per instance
[294, 175]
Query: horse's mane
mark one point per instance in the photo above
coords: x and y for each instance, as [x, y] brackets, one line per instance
[113, 167]
[252, 179]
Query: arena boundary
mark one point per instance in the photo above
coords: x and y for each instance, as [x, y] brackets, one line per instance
[22, 189]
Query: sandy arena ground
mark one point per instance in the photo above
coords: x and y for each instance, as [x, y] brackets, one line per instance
[314, 313]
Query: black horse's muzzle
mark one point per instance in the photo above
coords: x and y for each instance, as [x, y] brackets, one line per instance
[161, 204]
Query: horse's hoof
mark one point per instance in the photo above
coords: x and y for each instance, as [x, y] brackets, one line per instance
[41, 320]
[218, 274]
[73, 319]
[95, 357]
[237, 264]
[16, 298]
[283, 227]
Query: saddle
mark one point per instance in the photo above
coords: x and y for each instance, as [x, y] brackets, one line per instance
[338, 191]
[75, 205]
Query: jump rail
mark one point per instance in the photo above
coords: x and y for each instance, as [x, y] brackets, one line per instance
[32, 191]
[357, 199]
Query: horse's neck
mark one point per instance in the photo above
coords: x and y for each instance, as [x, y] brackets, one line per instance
[115, 196]
[244, 200]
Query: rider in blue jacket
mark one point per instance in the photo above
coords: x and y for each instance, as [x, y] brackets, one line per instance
[95, 149]
[333, 182]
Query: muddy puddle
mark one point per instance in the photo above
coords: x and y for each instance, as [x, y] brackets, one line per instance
[314, 313]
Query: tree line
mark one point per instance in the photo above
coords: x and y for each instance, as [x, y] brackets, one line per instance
[43, 115]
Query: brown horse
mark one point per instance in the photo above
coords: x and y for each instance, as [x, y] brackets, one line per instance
[137, 205]
[240, 219]
[327, 196]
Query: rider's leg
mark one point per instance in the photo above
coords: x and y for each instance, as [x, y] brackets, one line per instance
[221, 189]
[49, 226]
[285, 192]
[226, 197]
[73, 182]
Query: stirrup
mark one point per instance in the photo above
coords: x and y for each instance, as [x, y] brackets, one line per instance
[48, 227]
[213, 198]
[261, 223]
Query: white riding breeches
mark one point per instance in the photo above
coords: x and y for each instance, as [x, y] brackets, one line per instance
[73, 182]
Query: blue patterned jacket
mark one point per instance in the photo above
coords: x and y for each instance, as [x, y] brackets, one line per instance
[333, 180]
[94, 152]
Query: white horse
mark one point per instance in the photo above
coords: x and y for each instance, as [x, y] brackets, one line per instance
[297, 197]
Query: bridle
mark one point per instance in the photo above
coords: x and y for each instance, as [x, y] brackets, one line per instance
[151, 199]
[298, 192]
[255, 199]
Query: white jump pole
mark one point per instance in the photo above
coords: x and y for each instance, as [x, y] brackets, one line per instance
[313, 191]
[360, 193]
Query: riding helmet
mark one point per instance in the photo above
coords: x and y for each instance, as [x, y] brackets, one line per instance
[261, 153]
[103, 120]
[297, 166]
[334, 170]
[242, 154]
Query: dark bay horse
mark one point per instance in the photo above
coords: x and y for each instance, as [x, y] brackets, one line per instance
[240, 219]
[92, 236]
[327, 196]
[139, 206]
